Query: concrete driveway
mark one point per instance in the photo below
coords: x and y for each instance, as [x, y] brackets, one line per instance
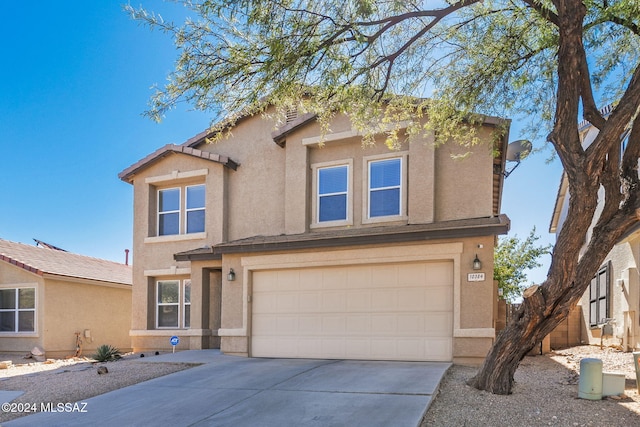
[235, 391]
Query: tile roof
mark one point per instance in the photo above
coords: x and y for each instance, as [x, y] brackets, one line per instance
[128, 173]
[42, 261]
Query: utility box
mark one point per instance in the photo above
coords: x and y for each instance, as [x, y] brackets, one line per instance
[612, 384]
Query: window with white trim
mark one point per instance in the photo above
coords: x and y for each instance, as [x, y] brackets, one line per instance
[17, 309]
[172, 208]
[332, 189]
[333, 194]
[385, 188]
[195, 209]
[169, 211]
[173, 304]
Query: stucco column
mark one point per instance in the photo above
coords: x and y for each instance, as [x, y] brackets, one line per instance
[296, 185]
[199, 305]
[421, 181]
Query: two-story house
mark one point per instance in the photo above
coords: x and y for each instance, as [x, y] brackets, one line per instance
[283, 243]
[610, 307]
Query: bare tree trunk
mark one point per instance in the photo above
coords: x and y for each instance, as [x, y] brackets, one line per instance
[526, 330]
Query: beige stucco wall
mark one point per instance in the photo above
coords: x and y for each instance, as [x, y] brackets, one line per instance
[66, 306]
[271, 193]
[102, 310]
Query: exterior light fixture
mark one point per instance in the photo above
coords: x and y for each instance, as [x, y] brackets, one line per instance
[232, 275]
[477, 265]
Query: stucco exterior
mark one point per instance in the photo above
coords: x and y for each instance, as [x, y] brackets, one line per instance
[262, 215]
[73, 294]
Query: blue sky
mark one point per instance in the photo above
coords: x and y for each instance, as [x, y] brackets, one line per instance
[75, 80]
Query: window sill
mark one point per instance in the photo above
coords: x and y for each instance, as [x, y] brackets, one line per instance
[329, 224]
[176, 238]
[383, 219]
[19, 334]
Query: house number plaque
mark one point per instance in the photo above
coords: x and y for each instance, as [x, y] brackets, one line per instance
[475, 277]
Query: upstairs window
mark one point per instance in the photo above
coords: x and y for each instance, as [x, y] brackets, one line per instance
[385, 188]
[333, 193]
[169, 211]
[172, 208]
[195, 209]
[17, 310]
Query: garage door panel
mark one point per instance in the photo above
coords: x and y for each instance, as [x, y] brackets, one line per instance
[309, 325]
[358, 325]
[386, 312]
[358, 301]
[310, 302]
[384, 324]
[287, 302]
[334, 279]
[412, 275]
[334, 325]
[359, 277]
[384, 300]
[438, 298]
[288, 280]
[334, 302]
[439, 324]
[384, 276]
[439, 350]
[412, 299]
[358, 348]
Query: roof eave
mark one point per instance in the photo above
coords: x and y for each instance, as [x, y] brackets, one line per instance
[483, 227]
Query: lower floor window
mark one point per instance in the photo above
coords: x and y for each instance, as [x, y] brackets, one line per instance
[17, 310]
[173, 308]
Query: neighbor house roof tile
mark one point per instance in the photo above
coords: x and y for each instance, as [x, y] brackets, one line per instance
[42, 261]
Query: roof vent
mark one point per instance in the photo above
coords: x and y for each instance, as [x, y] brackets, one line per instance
[291, 114]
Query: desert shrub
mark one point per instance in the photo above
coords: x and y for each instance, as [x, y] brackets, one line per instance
[106, 353]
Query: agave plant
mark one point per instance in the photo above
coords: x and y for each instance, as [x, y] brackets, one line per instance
[106, 353]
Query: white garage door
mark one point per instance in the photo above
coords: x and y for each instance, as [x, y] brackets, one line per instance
[376, 312]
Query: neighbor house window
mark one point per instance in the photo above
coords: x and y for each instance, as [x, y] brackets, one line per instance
[385, 188]
[172, 207]
[17, 310]
[173, 308]
[599, 297]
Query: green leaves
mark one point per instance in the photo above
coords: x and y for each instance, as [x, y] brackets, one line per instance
[492, 57]
[512, 258]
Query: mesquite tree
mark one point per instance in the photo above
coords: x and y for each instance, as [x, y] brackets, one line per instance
[555, 62]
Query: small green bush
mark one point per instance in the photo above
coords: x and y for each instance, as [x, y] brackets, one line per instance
[106, 353]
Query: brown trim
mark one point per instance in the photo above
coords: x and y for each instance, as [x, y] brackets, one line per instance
[365, 236]
[21, 265]
[279, 136]
[128, 174]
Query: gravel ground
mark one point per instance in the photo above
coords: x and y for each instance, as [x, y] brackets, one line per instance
[76, 379]
[545, 394]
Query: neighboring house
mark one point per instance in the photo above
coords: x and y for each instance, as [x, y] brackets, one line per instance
[613, 297]
[280, 243]
[47, 295]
